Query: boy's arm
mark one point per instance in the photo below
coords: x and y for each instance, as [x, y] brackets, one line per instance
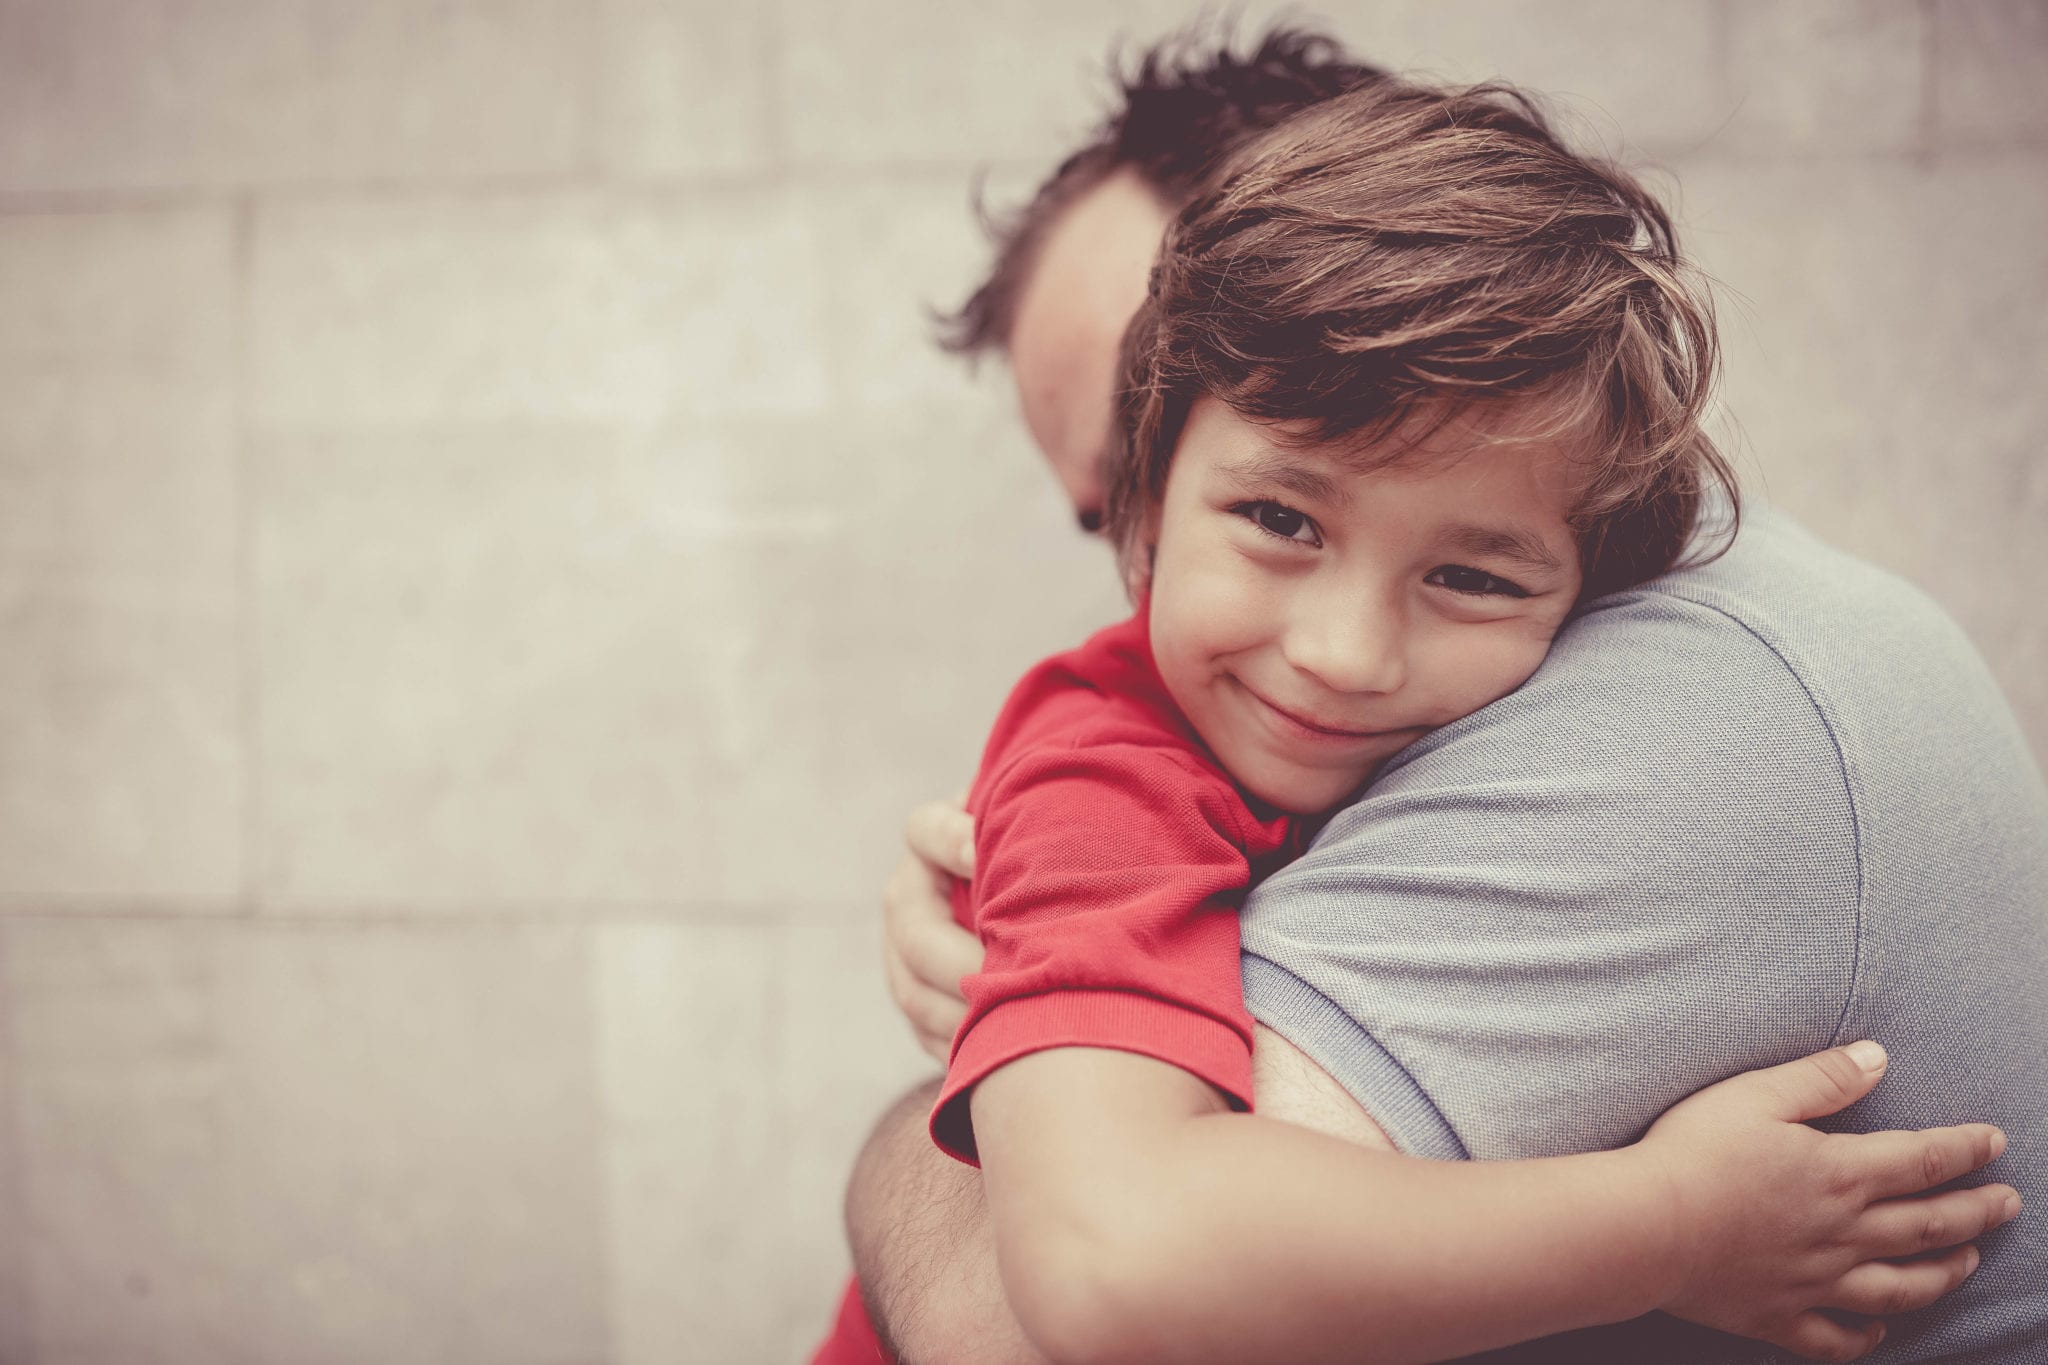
[1138, 1219]
[1107, 884]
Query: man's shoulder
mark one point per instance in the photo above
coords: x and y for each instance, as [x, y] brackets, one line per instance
[1821, 611]
[1784, 633]
[1781, 633]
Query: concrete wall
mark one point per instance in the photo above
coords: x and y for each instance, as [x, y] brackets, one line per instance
[487, 558]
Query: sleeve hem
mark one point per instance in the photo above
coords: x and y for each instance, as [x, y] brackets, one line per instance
[1123, 1021]
[1336, 1042]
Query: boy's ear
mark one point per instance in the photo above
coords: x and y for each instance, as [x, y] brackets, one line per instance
[1138, 575]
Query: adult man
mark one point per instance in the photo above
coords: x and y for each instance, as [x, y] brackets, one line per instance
[1719, 828]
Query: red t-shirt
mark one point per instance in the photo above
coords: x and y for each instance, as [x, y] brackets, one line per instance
[1111, 855]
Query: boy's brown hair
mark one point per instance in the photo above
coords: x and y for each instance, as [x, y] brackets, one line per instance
[1400, 254]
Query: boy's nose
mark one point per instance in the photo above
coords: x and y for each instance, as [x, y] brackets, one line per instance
[1350, 647]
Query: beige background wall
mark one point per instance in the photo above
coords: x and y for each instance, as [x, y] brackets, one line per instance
[487, 557]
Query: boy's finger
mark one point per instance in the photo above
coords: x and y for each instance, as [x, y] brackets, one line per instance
[939, 952]
[1882, 1288]
[937, 1046]
[942, 834]
[1823, 1082]
[917, 921]
[932, 1014]
[1907, 1227]
[1818, 1337]
[920, 932]
[1907, 1163]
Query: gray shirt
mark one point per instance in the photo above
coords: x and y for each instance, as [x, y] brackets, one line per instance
[1745, 812]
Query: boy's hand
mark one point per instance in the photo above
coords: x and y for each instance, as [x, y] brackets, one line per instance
[924, 952]
[1775, 1220]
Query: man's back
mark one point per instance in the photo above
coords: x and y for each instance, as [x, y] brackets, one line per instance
[1742, 813]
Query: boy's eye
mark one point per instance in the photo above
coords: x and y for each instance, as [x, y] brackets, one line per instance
[1280, 520]
[1473, 582]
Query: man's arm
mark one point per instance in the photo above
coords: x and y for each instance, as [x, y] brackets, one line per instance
[923, 1248]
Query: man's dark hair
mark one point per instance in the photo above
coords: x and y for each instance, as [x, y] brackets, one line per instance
[1189, 102]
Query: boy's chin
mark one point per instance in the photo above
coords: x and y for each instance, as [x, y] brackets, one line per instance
[1306, 796]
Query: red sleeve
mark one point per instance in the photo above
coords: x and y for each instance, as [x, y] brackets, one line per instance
[1108, 880]
[854, 1340]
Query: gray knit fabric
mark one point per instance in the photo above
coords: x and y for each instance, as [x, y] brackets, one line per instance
[1748, 811]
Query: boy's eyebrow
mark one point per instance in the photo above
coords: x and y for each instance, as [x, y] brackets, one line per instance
[1509, 543]
[1271, 467]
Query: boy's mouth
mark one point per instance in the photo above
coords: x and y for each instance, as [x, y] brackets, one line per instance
[1315, 726]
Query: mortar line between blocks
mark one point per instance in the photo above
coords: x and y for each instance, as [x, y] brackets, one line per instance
[248, 616]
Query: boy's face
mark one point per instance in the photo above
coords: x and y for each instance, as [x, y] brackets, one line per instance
[1311, 619]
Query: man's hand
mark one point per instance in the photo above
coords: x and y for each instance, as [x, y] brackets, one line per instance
[925, 952]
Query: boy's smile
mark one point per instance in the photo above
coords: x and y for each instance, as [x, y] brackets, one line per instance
[1313, 612]
[1293, 725]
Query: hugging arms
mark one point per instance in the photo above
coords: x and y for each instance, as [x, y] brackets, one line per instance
[926, 1253]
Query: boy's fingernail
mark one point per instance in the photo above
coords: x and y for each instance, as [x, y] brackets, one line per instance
[1867, 1055]
[1997, 1143]
[2012, 1205]
[1970, 1260]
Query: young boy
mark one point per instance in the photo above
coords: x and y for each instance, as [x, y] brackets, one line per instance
[1407, 387]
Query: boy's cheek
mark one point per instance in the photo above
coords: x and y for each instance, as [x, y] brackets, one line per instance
[1219, 594]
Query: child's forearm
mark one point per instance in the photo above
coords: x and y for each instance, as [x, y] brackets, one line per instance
[1137, 1220]
[1423, 1259]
